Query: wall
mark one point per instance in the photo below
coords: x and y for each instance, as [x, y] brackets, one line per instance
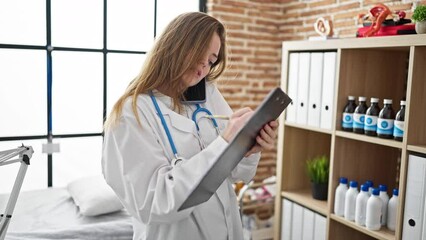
[256, 29]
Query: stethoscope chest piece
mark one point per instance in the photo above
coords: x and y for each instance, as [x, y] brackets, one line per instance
[176, 161]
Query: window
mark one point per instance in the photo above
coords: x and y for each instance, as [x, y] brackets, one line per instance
[64, 64]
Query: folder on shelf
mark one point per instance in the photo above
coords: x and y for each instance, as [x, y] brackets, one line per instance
[414, 210]
[303, 88]
[320, 227]
[328, 89]
[293, 79]
[286, 216]
[315, 85]
[297, 223]
[308, 224]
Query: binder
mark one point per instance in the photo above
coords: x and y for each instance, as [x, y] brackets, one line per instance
[308, 224]
[328, 86]
[293, 75]
[303, 89]
[286, 216]
[415, 199]
[319, 227]
[315, 85]
[297, 223]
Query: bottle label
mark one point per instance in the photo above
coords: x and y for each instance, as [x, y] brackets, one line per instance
[359, 120]
[398, 129]
[347, 120]
[385, 126]
[370, 123]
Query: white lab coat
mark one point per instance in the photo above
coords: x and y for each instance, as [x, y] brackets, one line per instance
[137, 165]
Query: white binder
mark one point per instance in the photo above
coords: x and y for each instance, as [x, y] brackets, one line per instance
[315, 85]
[286, 217]
[293, 75]
[328, 85]
[308, 224]
[297, 223]
[303, 88]
[414, 210]
[320, 227]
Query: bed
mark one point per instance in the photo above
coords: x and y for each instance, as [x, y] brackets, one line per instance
[85, 209]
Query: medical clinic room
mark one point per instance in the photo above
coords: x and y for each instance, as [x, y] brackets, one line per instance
[212, 120]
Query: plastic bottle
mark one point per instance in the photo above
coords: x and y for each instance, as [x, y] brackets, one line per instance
[350, 200]
[374, 211]
[359, 116]
[385, 121]
[385, 199]
[392, 208]
[371, 115]
[361, 205]
[398, 128]
[339, 197]
[347, 118]
[370, 186]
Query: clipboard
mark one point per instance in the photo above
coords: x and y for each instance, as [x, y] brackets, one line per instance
[270, 109]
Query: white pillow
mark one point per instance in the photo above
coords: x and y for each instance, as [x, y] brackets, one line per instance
[94, 196]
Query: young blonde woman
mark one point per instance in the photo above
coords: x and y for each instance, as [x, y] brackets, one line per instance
[155, 152]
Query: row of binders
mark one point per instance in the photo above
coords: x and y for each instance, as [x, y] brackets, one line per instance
[301, 223]
[311, 83]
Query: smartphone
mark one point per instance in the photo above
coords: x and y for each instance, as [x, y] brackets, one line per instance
[196, 93]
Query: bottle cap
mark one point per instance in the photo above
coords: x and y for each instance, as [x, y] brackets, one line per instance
[395, 192]
[361, 98]
[387, 101]
[343, 180]
[369, 183]
[374, 100]
[351, 98]
[376, 192]
[353, 184]
[402, 103]
[383, 188]
[364, 187]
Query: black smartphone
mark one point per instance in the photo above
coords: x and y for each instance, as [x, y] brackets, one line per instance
[196, 93]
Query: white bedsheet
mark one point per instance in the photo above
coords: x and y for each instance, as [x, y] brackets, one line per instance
[51, 214]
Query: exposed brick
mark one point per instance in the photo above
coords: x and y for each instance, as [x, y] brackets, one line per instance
[321, 3]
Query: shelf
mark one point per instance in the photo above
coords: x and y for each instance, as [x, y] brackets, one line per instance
[304, 198]
[382, 234]
[370, 139]
[415, 148]
[305, 127]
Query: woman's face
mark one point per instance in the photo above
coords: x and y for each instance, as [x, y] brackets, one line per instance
[194, 75]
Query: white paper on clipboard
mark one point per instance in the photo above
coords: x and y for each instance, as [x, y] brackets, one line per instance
[270, 109]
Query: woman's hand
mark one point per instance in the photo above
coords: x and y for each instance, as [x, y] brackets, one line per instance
[265, 139]
[237, 120]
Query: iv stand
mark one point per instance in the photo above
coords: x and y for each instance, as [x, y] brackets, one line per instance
[24, 153]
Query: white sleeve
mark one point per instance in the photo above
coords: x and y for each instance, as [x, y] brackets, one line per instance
[246, 168]
[135, 166]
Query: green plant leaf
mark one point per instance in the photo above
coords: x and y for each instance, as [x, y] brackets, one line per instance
[419, 13]
[318, 169]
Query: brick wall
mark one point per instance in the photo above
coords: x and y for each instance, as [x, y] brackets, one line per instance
[256, 29]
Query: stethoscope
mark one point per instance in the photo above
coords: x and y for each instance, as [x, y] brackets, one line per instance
[198, 110]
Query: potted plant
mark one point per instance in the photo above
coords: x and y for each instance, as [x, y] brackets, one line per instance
[419, 16]
[318, 169]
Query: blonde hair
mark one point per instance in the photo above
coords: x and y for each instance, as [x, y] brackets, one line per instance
[179, 48]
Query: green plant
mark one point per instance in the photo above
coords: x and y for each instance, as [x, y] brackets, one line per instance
[318, 169]
[419, 13]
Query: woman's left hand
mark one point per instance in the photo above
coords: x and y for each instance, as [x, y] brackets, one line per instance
[265, 139]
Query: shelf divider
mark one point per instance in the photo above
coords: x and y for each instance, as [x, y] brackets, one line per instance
[304, 197]
[417, 148]
[370, 139]
[382, 234]
[306, 127]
